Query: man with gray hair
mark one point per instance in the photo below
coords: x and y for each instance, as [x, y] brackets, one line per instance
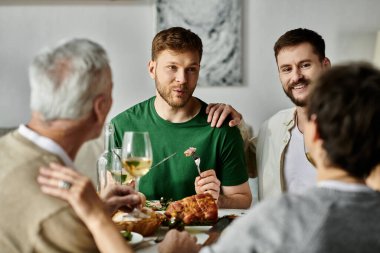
[71, 96]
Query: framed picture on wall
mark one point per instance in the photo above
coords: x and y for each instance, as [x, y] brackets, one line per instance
[219, 24]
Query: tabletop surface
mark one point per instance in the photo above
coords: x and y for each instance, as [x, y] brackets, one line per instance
[149, 246]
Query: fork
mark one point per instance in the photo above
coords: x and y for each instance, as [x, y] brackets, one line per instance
[197, 161]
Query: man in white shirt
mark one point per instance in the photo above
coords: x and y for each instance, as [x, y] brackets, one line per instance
[280, 152]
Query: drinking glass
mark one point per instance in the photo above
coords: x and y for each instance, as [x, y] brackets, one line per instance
[117, 174]
[137, 154]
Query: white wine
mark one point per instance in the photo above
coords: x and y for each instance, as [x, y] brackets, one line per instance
[119, 176]
[137, 166]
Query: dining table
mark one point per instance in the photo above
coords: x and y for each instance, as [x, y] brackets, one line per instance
[202, 233]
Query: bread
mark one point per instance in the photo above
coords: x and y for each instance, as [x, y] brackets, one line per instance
[143, 226]
[194, 210]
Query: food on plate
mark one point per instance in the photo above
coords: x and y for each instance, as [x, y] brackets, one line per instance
[155, 205]
[144, 226]
[158, 205]
[190, 151]
[126, 234]
[199, 209]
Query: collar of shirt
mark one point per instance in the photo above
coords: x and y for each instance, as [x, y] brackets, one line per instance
[290, 119]
[338, 185]
[47, 144]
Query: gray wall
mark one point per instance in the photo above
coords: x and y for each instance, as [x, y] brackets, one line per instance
[126, 28]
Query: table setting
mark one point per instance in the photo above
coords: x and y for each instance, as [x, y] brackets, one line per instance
[145, 227]
[206, 234]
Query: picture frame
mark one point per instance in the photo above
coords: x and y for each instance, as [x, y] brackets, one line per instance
[219, 24]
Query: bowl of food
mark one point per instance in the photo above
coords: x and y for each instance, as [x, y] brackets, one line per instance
[145, 225]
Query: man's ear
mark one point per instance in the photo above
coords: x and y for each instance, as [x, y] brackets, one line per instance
[326, 63]
[100, 108]
[152, 68]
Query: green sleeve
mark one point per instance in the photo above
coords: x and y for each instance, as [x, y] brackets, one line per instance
[234, 169]
[118, 134]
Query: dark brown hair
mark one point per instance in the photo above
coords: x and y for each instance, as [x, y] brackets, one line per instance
[176, 39]
[298, 36]
[346, 103]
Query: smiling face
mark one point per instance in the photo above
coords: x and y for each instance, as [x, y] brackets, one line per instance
[176, 75]
[298, 67]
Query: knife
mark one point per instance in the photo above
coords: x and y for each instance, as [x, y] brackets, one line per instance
[163, 160]
[217, 229]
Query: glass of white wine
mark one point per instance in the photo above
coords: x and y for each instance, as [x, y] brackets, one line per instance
[117, 174]
[137, 154]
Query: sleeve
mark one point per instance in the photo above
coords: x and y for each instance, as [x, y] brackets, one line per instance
[261, 229]
[242, 228]
[234, 166]
[64, 232]
[246, 132]
[118, 134]
[260, 143]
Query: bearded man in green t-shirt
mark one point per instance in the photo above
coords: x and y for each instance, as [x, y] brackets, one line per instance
[176, 121]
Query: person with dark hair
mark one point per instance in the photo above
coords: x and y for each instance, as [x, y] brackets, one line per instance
[281, 156]
[176, 120]
[346, 109]
[341, 134]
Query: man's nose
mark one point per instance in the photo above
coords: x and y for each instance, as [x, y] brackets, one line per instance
[296, 75]
[181, 76]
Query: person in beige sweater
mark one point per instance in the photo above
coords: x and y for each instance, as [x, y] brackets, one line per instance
[71, 88]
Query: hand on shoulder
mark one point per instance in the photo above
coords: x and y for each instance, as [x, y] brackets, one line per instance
[218, 113]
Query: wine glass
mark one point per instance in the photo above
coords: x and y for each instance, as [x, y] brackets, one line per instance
[117, 174]
[137, 154]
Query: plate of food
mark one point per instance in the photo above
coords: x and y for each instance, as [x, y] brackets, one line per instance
[198, 211]
[144, 226]
[132, 237]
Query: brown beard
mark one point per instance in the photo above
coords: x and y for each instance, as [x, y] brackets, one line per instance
[289, 94]
[166, 95]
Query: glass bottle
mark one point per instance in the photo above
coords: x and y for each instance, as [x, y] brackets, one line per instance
[108, 162]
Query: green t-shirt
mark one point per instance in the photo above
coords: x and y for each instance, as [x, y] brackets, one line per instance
[220, 149]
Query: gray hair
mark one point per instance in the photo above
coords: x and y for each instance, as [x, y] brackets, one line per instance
[65, 80]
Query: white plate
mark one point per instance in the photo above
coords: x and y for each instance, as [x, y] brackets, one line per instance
[136, 238]
[238, 212]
